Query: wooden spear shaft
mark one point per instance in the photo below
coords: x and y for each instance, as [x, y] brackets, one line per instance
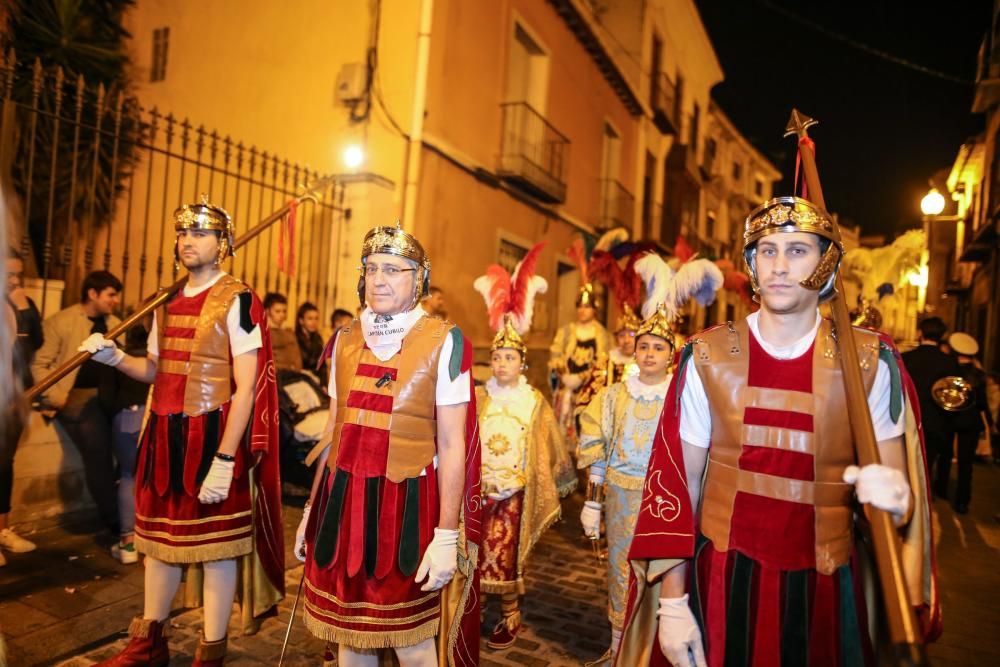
[163, 294]
[901, 620]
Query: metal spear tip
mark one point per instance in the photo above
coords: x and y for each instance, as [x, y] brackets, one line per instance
[798, 123]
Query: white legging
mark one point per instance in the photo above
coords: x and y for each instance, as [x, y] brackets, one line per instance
[162, 580]
[423, 654]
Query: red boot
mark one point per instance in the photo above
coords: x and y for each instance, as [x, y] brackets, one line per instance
[210, 654]
[505, 632]
[329, 655]
[147, 646]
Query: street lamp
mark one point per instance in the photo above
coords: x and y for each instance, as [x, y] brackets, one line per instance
[353, 156]
[932, 203]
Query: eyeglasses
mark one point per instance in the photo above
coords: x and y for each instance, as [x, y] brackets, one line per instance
[389, 271]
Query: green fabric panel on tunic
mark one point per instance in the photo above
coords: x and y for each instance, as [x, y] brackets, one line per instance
[694, 599]
[457, 351]
[329, 528]
[850, 629]
[895, 381]
[372, 507]
[738, 613]
[795, 625]
[409, 539]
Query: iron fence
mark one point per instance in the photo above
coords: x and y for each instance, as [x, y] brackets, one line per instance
[91, 179]
[533, 153]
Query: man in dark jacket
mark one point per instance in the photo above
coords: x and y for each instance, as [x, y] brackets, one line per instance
[970, 422]
[927, 364]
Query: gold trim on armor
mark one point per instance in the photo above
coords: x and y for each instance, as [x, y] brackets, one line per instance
[374, 620]
[181, 322]
[196, 538]
[173, 366]
[820, 494]
[368, 605]
[785, 400]
[785, 439]
[193, 522]
[499, 587]
[177, 344]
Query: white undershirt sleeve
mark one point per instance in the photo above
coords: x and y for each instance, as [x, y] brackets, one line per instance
[696, 416]
[878, 404]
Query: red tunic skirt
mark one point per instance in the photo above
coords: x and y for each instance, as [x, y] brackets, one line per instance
[366, 538]
[171, 524]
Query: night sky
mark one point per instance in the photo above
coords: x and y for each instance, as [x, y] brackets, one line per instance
[884, 128]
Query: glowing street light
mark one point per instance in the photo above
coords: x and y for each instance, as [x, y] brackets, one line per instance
[932, 203]
[353, 156]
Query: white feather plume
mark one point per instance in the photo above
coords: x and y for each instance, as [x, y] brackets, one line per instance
[611, 238]
[658, 278]
[537, 285]
[697, 279]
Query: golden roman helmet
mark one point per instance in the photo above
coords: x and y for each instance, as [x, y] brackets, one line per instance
[794, 214]
[658, 324]
[207, 217]
[507, 337]
[628, 320]
[587, 296]
[953, 393]
[396, 241]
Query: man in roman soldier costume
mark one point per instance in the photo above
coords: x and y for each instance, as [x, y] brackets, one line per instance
[525, 464]
[617, 429]
[577, 350]
[619, 362]
[395, 509]
[207, 480]
[745, 550]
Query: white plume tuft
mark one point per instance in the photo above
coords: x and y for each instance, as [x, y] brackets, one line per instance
[537, 285]
[697, 279]
[658, 278]
[612, 238]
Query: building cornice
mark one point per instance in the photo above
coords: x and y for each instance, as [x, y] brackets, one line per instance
[582, 27]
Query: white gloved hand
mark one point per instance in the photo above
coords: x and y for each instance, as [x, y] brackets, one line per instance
[881, 486]
[215, 488]
[440, 560]
[590, 518]
[102, 350]
[679, 634]
[571, 381]
[300, 536]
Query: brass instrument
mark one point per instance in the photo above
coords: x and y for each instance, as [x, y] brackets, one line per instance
[953, 393]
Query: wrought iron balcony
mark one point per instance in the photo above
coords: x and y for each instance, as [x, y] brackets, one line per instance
[664, 99]
[617, 205]
[533, 154]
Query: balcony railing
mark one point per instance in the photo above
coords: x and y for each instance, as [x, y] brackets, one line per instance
[533, 154]
[665, 115]
[617, 205]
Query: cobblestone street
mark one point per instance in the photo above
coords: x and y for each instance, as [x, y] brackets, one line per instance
[77, 612]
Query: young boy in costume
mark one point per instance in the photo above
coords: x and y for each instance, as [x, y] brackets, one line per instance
[525, 464]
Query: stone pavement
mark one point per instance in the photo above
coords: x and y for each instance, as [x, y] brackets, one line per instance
[53, 608]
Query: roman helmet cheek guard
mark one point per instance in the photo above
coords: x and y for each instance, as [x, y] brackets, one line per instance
[204, 216]
[794, 214]
[395, 241]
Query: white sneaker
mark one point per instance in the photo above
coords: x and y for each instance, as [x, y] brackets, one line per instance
[14, 543]
[125, 553]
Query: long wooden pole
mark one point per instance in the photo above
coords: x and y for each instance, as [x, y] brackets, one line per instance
[902, 623]
[164, 293]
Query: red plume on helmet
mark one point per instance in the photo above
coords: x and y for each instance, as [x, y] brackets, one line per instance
[512, 295]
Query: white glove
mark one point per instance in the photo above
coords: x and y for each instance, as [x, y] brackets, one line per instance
[102, 350]
[300, 535]
[680, 638]
[590, 517]
[571, 381]
[881, 486]
[440, 560]
[215, 488]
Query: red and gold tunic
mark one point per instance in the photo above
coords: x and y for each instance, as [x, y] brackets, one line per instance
[190, 403]
[377, 506]
[773, 579]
